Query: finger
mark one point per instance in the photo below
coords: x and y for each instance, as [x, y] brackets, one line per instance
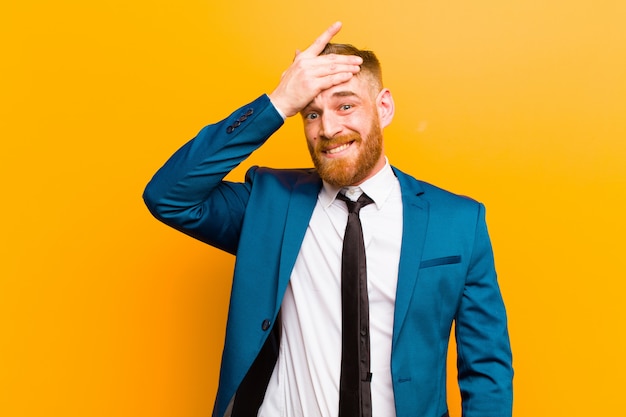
[326, 81]
[324, 65]
[318, 45]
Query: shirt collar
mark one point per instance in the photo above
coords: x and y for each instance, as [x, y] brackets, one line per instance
[377, 188]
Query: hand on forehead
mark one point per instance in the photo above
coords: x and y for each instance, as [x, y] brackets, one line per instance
[311, 73]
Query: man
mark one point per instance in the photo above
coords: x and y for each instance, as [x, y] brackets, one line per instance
[428, 258]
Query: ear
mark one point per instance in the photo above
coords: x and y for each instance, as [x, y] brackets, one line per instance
[385, 107]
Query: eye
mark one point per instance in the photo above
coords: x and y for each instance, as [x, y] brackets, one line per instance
[345, 107]
[311, 116]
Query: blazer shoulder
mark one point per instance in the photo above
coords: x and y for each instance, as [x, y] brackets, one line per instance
[432, 193]
[435, 193]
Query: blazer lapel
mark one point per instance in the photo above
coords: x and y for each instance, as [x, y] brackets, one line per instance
[415, 221]
[301, 205]
[415, 213]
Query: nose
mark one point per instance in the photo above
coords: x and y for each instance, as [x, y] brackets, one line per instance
[330, 126]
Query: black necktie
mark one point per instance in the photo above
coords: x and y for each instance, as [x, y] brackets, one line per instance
[355, 399]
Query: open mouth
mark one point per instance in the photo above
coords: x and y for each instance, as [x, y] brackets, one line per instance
[338, 149]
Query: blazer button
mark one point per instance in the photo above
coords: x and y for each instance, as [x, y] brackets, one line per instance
[266, 324]
[230, 129]
[249, 112]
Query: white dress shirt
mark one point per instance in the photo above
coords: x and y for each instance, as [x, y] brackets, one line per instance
[305, 381]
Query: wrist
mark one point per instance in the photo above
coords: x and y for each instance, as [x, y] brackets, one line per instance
[278, 109]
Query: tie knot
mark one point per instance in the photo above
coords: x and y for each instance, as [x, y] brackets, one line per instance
[355, 206]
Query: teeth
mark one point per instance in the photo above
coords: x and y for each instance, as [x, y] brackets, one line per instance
[338, 149]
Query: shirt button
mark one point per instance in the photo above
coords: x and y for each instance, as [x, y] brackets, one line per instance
[266, 324]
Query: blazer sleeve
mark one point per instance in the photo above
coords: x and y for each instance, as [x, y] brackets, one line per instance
[189, 192]
[483, 349]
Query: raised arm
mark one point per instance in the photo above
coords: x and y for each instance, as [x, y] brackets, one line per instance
[188, 192]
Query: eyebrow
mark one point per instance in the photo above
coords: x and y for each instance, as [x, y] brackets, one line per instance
[347, 93]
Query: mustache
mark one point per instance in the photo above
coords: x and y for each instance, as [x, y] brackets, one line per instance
[325, 143]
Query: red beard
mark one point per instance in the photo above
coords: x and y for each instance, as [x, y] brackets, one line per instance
[349, 170]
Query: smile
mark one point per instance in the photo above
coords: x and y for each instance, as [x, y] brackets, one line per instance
[338, 149]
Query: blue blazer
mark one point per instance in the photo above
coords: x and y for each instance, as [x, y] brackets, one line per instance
[446, 272]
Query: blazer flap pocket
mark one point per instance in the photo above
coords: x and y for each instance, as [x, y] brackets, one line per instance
[446, 260]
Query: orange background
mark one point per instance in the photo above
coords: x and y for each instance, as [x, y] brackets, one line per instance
[106, 312]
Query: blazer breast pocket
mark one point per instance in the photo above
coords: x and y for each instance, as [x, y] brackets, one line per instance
[446, 260]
